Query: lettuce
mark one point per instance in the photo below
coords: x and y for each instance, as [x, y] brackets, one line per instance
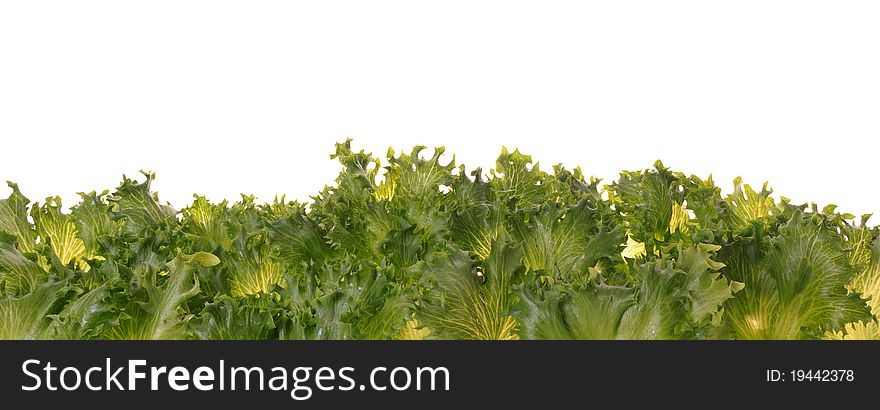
[412, 246]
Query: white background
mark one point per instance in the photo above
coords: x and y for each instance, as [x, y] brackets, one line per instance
[225, 97]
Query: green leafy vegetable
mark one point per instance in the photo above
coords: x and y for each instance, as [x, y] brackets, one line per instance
[413, 246]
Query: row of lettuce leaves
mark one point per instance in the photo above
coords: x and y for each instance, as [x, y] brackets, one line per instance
[412, 246]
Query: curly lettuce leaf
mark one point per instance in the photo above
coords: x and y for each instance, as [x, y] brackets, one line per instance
[867, 281]
[470, 301]
[156, 311]
[92, 315]
[343, 301]
[518, 181]
[18, 274]
[14, 220]
[669, 300]
[94, 226]
[648, 200]
[139, 207]
[28, 317]
[59, 231]
[856, 331]
[594, 313]
[795, 282]
[233, 319]
[745, 205]
[566, 241]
